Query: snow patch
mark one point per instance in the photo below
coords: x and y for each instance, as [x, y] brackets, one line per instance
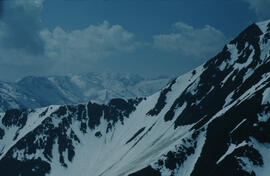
[264, 150]
[238, 125]
[263, 25]
[266, 96]
[188, 166]
[231, 148]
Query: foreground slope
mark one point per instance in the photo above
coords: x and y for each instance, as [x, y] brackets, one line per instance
[212, 121]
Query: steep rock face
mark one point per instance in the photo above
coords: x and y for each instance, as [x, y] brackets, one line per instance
[214, 120]
[36, 92]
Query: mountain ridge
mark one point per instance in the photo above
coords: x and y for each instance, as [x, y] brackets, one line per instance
[36, 92]
[213, 120]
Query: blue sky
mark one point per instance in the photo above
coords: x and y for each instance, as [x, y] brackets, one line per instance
[147, 37]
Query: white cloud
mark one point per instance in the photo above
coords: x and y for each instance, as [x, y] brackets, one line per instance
[66, 51]
[92, 43]
[187, 40]
[260, 7]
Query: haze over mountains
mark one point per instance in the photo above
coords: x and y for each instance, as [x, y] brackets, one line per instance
[211, 121]
[35, 92]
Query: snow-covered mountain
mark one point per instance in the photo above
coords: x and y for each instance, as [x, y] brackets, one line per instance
[212, 121]
[36, 92]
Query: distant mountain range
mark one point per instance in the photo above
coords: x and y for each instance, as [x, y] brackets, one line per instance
[211, 121]
[34, 92]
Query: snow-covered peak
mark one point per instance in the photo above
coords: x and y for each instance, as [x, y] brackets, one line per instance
[264, 26]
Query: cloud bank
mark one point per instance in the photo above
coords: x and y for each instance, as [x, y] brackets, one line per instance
[91, 43]
[190, 41]
[27, 48]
